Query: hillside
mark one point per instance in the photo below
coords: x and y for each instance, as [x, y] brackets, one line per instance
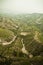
[21, 39]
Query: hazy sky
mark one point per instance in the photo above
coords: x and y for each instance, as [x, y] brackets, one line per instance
[21, 6]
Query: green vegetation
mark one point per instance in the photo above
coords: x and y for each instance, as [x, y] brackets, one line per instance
[41, 37]
[6, 34]
[28, 29]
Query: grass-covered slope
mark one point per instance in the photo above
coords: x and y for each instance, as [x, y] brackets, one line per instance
[6, 35]
[29, 30]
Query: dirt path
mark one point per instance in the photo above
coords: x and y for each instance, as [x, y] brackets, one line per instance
[23, 48]
[7, 43]
[25, 51]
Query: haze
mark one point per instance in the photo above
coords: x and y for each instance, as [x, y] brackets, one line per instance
[21, 6]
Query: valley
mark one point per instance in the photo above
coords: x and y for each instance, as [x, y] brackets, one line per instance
[21, 39]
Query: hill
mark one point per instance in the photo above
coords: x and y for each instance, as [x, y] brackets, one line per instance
[21, 39]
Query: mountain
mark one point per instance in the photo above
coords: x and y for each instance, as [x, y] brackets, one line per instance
[21, 39]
